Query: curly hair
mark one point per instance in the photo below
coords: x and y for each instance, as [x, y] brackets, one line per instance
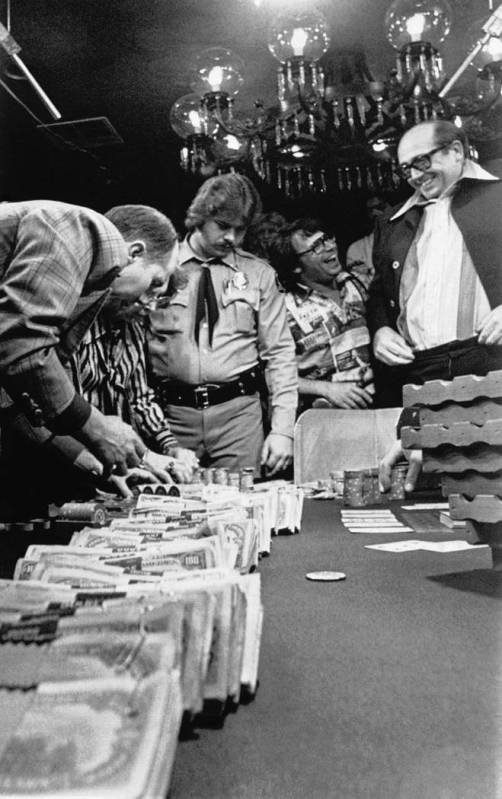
[271, 239]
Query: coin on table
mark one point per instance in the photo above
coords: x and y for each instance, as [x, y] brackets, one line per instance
[325, 576]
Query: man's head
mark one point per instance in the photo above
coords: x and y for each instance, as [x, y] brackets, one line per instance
[152, 246]
[315, 253]
[432, 155]
[375, 207]
[220, 214]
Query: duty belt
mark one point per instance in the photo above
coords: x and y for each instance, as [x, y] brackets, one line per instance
[172, 392]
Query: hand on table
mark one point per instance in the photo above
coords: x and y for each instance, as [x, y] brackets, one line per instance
[185, 461]
[277, 452]
[112, 441]
[87, 462]
[391, 457]
[136, 476]
[158, 465]
[391, 348]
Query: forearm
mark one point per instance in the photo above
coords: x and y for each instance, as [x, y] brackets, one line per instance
[40, 384]
[312, 388]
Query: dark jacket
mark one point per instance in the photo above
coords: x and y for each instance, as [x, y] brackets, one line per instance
[477, 209]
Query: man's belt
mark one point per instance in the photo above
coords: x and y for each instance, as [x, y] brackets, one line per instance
[172, 392]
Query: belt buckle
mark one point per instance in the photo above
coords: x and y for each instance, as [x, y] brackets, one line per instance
[201, 397]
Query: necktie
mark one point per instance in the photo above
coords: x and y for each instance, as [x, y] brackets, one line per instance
[206, 301]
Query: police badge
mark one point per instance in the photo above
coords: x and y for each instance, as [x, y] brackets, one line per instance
[240, 281]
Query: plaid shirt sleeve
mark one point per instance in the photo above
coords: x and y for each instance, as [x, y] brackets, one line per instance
[56, 247]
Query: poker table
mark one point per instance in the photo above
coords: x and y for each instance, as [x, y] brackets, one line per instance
[386, 685]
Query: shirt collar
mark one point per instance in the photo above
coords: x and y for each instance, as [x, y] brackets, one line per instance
[189, 254]
[471, 170]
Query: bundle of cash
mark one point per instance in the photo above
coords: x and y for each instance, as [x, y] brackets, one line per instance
[143, 625]
[113, 737]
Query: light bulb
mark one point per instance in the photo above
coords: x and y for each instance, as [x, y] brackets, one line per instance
[301, 34]
[196, 121]
[216, 70]
[232, 142]
[187, 118]
[415, 26]
[298, 41]
[215, 78]
[408, 21]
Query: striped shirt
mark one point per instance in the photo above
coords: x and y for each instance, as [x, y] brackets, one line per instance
[111, 364]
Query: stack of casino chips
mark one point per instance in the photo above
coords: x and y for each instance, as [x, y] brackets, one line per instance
[361, 488]
[459, 429]
[239, 478]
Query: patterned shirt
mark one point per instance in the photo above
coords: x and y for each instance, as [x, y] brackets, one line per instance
[111, 363]
[251, 328]
[57, 262]
[331, 337]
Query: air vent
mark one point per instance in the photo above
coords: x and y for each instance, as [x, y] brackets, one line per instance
[86, 134]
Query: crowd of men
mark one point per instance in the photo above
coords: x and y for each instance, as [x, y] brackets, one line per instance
[127, 355]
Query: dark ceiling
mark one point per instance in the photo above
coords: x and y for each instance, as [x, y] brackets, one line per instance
[129, 60]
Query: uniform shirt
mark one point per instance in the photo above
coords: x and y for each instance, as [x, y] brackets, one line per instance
[111, 364]
[251, 328]
[57, 262]
[441, 296]
[332, 340]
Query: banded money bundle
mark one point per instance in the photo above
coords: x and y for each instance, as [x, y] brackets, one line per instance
[144, 626]
[460, 433]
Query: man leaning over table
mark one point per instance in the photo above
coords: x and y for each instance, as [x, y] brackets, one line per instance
[59, 264]
[212, 340]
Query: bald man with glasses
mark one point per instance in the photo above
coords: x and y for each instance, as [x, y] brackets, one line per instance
[435, 306]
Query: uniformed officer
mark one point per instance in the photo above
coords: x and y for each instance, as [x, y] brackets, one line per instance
[212, 339]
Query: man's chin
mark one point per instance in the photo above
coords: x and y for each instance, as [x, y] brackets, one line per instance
[430, 190]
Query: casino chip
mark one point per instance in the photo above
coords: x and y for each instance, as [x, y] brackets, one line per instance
[325, 576]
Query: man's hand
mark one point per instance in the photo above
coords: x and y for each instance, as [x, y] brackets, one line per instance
[112, 441]
[277, 452]
[120, 485]
[346, 395]
[490, 329]
[158, 465]
[186, 462]
[86, 462]
[391, 457]
[391, 348]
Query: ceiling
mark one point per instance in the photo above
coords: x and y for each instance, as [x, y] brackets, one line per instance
[129, 61]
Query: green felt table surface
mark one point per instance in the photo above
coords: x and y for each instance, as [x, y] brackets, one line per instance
[384, 686]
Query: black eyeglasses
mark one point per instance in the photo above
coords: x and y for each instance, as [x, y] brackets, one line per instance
[319, 245]
[421, 162]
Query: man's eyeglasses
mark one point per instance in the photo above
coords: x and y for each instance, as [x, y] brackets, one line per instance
[319, 245]
[420, 163]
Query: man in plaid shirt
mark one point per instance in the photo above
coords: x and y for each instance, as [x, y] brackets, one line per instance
[59, 264]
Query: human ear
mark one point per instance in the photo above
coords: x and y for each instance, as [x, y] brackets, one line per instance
[135, 249]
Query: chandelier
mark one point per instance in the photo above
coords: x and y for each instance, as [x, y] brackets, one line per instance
[327, 135]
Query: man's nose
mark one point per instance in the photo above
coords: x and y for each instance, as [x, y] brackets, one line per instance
[230, 236]
[416, 174]
[158, 287]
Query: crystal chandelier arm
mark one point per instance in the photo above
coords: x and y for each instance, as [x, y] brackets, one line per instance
[12, 48]
[492, 27]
